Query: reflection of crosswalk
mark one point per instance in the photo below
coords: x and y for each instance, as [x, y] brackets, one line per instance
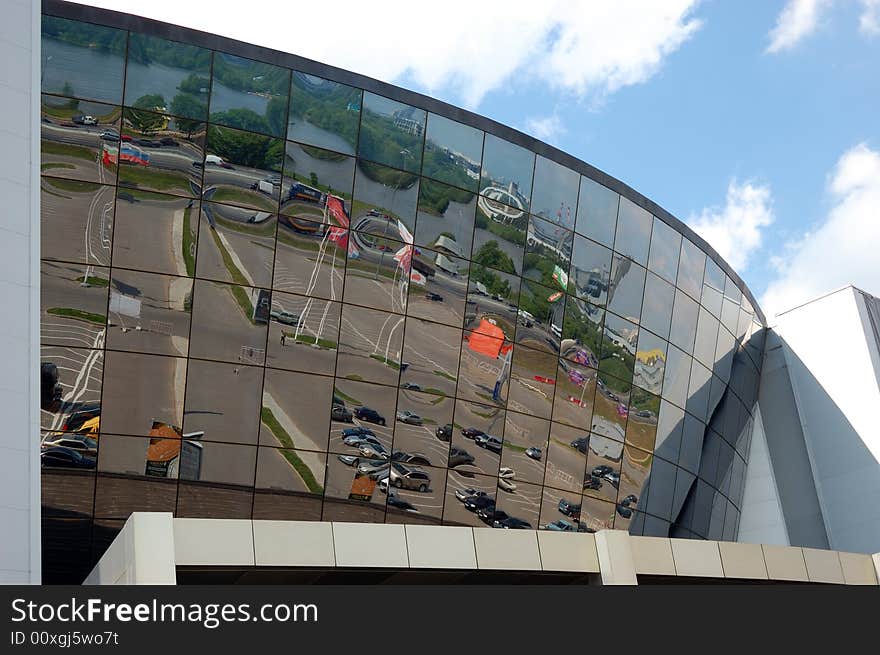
[73, 333]
[80, 373]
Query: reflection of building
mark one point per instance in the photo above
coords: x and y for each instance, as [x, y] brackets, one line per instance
[269, 462]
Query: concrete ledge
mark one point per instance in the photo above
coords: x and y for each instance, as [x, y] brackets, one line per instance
[441, 547]
[699, 559]
[616, 564]
[214, 542]
[785, 563]
[653, 555]
[742, 561]
[142, 553]
[375, 545]
[511, 550]
[293, 543]
[823, 566]
[568, 552]
[858, 569]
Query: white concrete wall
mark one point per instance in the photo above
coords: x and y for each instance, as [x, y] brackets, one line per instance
[836, 390]
[19, 292]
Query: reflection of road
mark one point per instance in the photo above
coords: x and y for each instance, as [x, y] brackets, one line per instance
[78, 219]
[221, 329]
[79, 373]
[60, 289]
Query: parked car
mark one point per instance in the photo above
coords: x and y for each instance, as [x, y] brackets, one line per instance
[444, 432]
[475, 503]
[342, 414]
[512, 523]
[624, 511]
[358, 431]
[398, 503]
[489, 442]
[534, 453]
[593, 483]
[468, 492]
[79, 442]
[489, 514]
[168, 141]
[373, 450]
[506, 472]
[63, 457]
[601, 471]
[283, 316]
[569, 508]
[471, 433]
[436, 297]
[613, 478]
[459, 456]
[406, 416]
[349, 460]
[581, 444]
[357, 440]
[410, 386]
[506, 485]
[372, 466]
[403, 477]
[560, 525]
[370, 415]
[109, 135]
[629, 500]
[416, 459]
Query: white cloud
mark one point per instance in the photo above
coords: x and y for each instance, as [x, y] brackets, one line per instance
[735, 230]
[869, 21]
[798, 19]
[548, 128]
[457, 47]
[844, 248]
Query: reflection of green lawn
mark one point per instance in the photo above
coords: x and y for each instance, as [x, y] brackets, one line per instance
[77, 314]
[150, 178]
[245, 197]
[67, 150]
[269, 420]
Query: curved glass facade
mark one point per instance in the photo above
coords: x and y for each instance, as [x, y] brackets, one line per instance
[270, 294]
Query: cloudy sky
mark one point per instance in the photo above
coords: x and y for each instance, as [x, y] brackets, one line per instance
[757, 123]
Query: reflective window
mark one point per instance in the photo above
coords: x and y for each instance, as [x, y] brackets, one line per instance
[431, 352]
[289, 484]
[480, 432]
[518, 506]
[392, 133]
[289, 419]
[575, 389]
[373, 406]
[566, 457]
[556, 191]
[532, 381]
[76, 221]
[506, 178]
[650, 362]
[242, 168]
[352, 493]
[491, 298]
[467, 495]
[303, 333]
[525, 446]
[619, 349]
[633, 235]
[713, 287]
[590, 272]
[73, 304]
[311, 175]
[602, 477]
[684, 322]
[383, 197]
[79, 139]
[453, 152]
[707, 331]
[641, 421]
[612, 400]
[440, 292]
[141, 390]
[445, 219]
[378, 271]
[698, 390]
[70, 397]
[540, 308]
[597, 211]
[236, 244]
[678, 372]
[691, 263]
[416, 493]
[222, 402]
[583, 325]
[670, 423]
[310, 258]
[633, 491]
[665, 249]
[657, 305]
[323, 113]
[423, 431]
[149, 313]
[155, 232]
[249, 95]
[218, 480]
[173, 76]
[229, 322]
[548, 247]
[483, 370]
[499, 239]
[626, 288]
[370, 345]
[82, 59]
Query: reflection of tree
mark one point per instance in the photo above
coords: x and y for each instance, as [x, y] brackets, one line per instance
[435, 197]
[387, 176]
[243, 119]
[381, 141]
[494, 283]
[578, 326]
[442, 165]
[185, 105]
[253, 150]
[95, 37]
[490, 254]
[144, 119]
[247, 75]
[67, 90]
[513, 232]
[333, 109]
[195, 84]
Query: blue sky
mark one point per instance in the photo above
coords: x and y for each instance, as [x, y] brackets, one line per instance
[758, 123]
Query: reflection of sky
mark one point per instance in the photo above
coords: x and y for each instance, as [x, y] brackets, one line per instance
[505, 161]
[455, 136]
[386, 107]
[554, 185]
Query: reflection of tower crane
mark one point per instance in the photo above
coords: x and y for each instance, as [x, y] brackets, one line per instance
[502, 375]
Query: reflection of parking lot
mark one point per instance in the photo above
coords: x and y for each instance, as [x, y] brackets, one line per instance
[80, 372]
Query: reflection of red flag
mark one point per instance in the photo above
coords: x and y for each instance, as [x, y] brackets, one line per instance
[556, 296]
[487, 339]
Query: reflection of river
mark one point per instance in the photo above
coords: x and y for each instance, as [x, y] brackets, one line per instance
[223, 98]
[482, 236]
[457, 220]
[141, 79]
[401, 202]
[334, 174]
[303, 131]
[64, 63]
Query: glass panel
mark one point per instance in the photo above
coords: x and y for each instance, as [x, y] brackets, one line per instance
[633, 492]
[532, 381]
[603, 468]
[633, 235]
[597, 211]
[229, 322]
[73, 304]
[378, 272]
[466, 495]
[370, 345]
[443, 295]
[491, 296]
[485, 365]
[236, 244]
[149, 313]
[724, 355]
[309, 175]
[168, 74]
[453, 152]
[289, 484]
[547, 246]
[707, 331]
[596, 514]
[67, 475]
[423, 430]
[249, 95]
[612, 400]
[713, 287]
[141, 391]
[243, 168]
[729, 314]
[392, 133]
[223, 402]
[669, 426]
[158, 154]
[76, 221]
[352, 495]
[626, 288]
[678, 373]
[641, 422]
[566, 458]
[519, 505]
[657, 305]
[323, 113]
[650, 362]
[556, 191]
[575, 389]
[665, 249]
[383, 197]
[525, 446]
[540, 308]
[684, 322]
[431, 352]
[590, 270]
[137, 474]
[155, 232]
[416, 493]
[310, 258]
[690, 269]
[691, 444]
[372, 408]
[698, 390]
[217, 480]
[500, 240]
[506, 177]
[81, 59]
[445, 218]
[619, 350]
[303, 333]
[79, 140]
[479, 431]
[292, 414]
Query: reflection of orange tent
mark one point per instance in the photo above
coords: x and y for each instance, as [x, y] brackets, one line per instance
[163, 450]
[488, 339]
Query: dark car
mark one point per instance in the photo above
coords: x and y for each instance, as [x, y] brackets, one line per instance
[614, 478]
[512, 523]
[167, 141]
[476, 503]
[459, 456]
[63, 457]
[580, 444]
[570, 509]
[593, 483]
[50, 389]
[370, 415]
[436, 297]
[357, 431]
[625, 512]
[489, 515]
[410, 386]
[410, 458]
[444, 432]
[399, 503]
[534, 453]
[471, 433]
[601, 471]
[75, 421]
[340, 413]
[629, 500]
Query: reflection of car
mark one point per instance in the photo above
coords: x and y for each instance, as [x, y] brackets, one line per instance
[512, 523]
[613, 478]
[593, 483]
[399, 503]
[629, 500]
[282, 316]
[374, 450]
[506, 472]
[91, 426]
[372, 466]
[109, 135]
[570, 509]
[436, 297]
[340, 413]
[476, 503]
[410, 458]
[468, 492]
[534, 453]
[601, 471]
[79, 418]
[409, 417]
[582, 527]
[62, 457]
[410, 386]
[84, 119]
[489, 514]
[444, 432]
[368, 414]
[167, 141]
[506, 485]
[580, 444]
[560, 525]
[406, 478]
[350, 460]
[459, 456]
[471, 433]
[50, 389]
[78, 442]
[624, 511]
[489, 442]
[358, 431]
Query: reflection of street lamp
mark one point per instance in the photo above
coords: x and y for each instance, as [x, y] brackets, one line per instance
[43, 69]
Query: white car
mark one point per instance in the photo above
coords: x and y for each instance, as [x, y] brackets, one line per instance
[506, 473]
[506, 485]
